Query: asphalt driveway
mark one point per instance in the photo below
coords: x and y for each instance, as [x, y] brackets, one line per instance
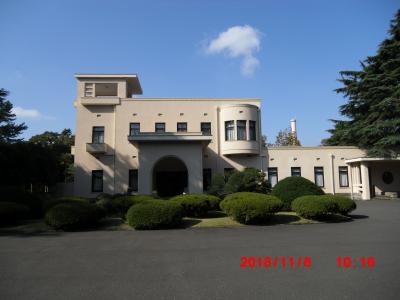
[205, 263]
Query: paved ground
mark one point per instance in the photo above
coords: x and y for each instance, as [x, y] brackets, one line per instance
[204, 263]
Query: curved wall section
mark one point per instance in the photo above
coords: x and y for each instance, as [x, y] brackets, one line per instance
[235, 142]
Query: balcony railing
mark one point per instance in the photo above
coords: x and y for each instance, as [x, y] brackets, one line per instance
[169, 136]
[96, 148]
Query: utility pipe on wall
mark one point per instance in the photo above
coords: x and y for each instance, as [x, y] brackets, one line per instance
[332, 173]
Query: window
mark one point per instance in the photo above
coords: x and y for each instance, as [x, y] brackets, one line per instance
[133, 180]
[229, 130]
[98, 135]
[181, 127]
[206, 128]
[273, 176]
[97, 181]
[228, 172]
[387, 177]
[106, 89]
[206, 179]
[319, 176]
[241, 130]
[89, 89]
[296, 171]
[134, 128]
[343, 177]
[160, 127]
[252, 130]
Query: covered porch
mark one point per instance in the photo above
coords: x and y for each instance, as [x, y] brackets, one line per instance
[372, 177]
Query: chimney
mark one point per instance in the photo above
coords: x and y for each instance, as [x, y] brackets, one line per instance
[293, 128]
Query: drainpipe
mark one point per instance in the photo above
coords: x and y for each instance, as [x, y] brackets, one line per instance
[333, 173]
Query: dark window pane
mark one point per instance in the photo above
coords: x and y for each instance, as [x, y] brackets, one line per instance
[229, 130]
[160, 127]
[241, 130]
[133, 180]
[252, 130]
[206, 179]
[273, 176]
[134, 129]
[97, 181]
[98, 135]
[343, 177]
[319, 176]
[296, 171]
[181, 127]
[206, 128]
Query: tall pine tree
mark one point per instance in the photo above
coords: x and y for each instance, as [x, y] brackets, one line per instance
[9, 130]
[373, 107]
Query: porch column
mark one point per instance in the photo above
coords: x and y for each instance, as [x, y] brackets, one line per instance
[365, 181]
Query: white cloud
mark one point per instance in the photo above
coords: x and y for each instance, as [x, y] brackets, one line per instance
[26, 113]
[238, 41]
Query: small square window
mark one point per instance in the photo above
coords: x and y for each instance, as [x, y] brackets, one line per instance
[160, 127]
[181, 127]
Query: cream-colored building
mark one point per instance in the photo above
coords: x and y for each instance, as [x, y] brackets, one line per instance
[129, 144]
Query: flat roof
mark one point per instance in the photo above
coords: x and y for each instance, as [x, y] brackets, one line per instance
[134, 86]
[360, 159]
[309, 147]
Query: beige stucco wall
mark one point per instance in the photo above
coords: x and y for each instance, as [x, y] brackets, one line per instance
[123, 155]
[330, 158]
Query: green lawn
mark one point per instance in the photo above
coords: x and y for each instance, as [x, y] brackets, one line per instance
[214, 219]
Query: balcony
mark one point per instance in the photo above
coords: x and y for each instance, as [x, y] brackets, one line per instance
[93, 148]
[100, 100]
[240, 147]
[149, 137]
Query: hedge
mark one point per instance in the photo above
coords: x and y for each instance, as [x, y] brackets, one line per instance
[293, 187]
[119, 206]
[314, 206]
[197, 205]
[155, 214]
[20, 196]
[49, 203]
[73, 215]
[344, 204]
[250, 208]
[11, 212]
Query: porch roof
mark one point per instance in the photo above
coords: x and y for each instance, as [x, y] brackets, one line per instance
[371, 159]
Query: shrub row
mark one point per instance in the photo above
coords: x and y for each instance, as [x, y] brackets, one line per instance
[293, 187]
[155, 214]
[250, 208]
[197, 205]
[316, 207]
[73, 215]
[120, 205]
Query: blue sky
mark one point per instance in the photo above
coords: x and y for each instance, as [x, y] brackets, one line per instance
[297, 51]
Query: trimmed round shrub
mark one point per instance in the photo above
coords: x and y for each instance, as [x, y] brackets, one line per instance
[120, 205]
[197, 205]
[293, 187]
[344, 204]
[73, 215]
[49, 203]
[314, 206]
[250, 208]
[11, 212]
[155, 214]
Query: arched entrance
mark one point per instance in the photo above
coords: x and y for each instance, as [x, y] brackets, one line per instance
[170, 176]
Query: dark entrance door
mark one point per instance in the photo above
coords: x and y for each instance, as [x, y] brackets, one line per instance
[171, 183]
[170, 177]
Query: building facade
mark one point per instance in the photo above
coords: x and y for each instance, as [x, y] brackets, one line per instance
[129, 144]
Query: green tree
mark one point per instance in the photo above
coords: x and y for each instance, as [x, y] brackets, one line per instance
[217, 185]
[373, 106]
[286, 138]
[60, 144]
[9, 130]
[248, 180]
